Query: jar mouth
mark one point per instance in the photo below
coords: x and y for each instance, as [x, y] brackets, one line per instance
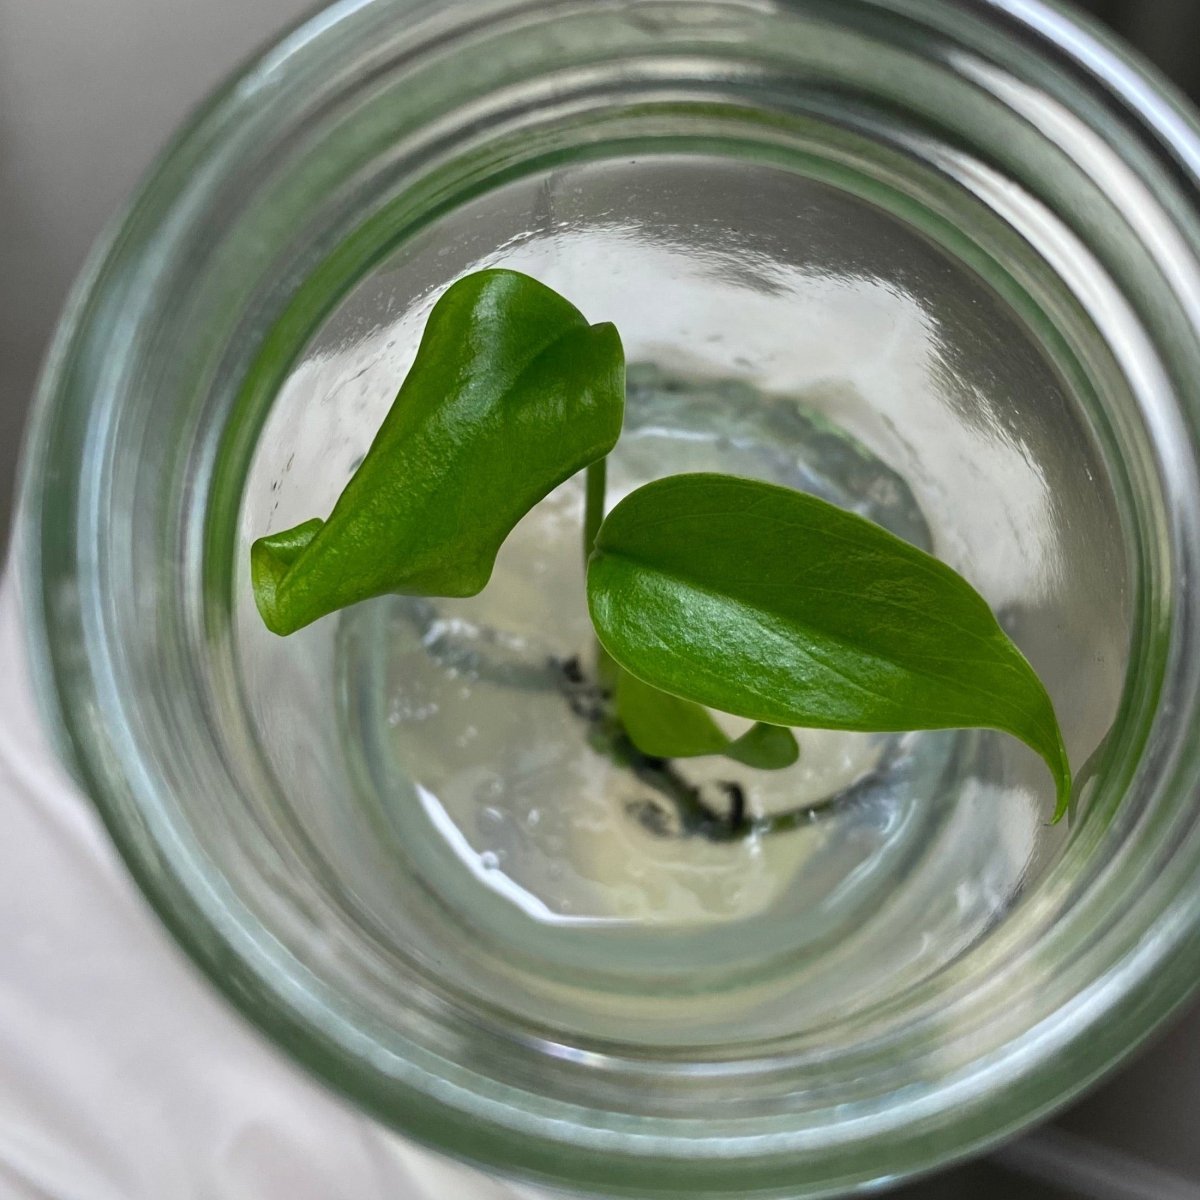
[1018, 143]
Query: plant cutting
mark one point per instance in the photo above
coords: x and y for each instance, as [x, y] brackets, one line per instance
[706, 591]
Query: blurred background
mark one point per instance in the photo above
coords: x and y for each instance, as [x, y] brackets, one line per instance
[89, 91]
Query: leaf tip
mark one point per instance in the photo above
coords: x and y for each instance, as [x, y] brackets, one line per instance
[1065, 802]
[1060, 769]
[271, 558]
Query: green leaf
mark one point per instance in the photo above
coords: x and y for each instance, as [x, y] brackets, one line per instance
[768, 747]
[511, 393]
[667, 726]
[772, 604]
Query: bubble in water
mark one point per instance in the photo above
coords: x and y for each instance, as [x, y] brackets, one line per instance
[489, 860]
[410, 710]
[490, 789]
[491, 818]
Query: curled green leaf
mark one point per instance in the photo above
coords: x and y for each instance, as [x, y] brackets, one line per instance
[777, 606]
[511, 393]
[667, 726]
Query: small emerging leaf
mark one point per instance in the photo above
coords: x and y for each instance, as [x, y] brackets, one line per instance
[772, 604]
[511, 393]
[768, 747]
[667, 726]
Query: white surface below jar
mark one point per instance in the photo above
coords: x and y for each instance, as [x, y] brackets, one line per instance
[122, 1076]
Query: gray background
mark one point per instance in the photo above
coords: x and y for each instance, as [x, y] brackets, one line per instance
[89, 90]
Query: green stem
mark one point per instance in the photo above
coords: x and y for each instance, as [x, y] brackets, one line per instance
[593, 516]
[593, 513]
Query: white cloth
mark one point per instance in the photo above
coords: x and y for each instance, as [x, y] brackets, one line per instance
[123, 1075]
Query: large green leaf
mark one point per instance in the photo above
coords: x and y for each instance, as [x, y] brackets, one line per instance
[667, 726]
[511, 392]
[772, 604]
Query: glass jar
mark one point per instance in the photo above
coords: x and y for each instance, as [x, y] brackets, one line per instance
[938, 262]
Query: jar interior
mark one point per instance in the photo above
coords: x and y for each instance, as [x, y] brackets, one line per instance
[437, 786]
